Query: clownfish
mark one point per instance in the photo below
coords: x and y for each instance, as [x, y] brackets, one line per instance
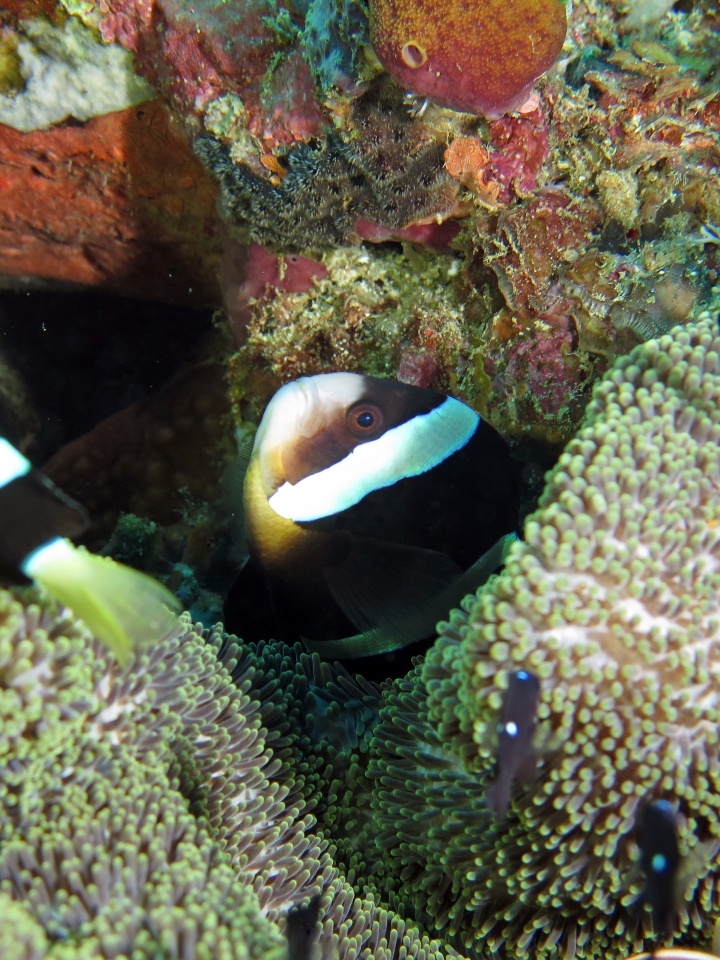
[122, 607]
[372, 507]
[659, 858]
[515, 755]
[300, 929]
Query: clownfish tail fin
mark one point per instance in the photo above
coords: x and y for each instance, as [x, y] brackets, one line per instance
[124, 608]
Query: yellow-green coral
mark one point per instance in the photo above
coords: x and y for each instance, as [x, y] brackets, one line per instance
[614, 602]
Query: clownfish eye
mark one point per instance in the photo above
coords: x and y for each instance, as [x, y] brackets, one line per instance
[364, 419]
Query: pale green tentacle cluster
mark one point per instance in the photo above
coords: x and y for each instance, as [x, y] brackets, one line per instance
[144, 815]
[613, 600]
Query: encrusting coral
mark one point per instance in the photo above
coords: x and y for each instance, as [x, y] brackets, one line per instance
[143, 814]
[390, 173]
[613, 601]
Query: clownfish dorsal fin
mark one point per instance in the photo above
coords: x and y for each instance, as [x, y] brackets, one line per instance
[390, 619]
[231, 486]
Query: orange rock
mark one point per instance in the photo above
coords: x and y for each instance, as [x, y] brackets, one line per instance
[466, 160]
[119, 202]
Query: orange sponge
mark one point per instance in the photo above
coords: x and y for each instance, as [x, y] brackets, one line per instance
[476, 56]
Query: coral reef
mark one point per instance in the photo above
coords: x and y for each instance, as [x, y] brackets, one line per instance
[317, 148]
[183, 807]
[373, 313]
[612, 601]
[118, 202]
[586, 221]
[391, 173]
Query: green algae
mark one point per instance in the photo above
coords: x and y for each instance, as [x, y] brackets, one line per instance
[375, 306]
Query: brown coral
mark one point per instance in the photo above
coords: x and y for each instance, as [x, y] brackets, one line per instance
[387, 170]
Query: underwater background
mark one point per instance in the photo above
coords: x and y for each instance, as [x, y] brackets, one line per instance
[515, 204]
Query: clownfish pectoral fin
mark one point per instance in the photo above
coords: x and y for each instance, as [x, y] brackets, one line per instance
[367, 644]
[372, 597]
[122, 607]
[481, 571]
[231, 486]
[388, 586]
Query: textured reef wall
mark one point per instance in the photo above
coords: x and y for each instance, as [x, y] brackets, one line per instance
[559, 235]
[553, 263]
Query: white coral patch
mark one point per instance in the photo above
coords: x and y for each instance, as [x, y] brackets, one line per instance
[68, 73]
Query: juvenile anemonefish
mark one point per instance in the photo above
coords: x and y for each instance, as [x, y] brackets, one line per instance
[300, 928]
[516, 757]
[120, 606]
[660, 858]
[367, 505]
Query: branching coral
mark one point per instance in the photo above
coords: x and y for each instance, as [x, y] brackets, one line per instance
[613, 602]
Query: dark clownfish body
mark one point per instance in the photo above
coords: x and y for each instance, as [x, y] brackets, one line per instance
[516, 757]
[121, 606]
[660, 858]
[367, 505]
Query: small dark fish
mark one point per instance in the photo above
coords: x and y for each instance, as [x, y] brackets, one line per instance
[300, 927]
[372, 507]
[122, 607]
[516, 757]
[659, 859]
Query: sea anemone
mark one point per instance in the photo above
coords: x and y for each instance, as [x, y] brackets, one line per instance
[143, 813]
[613, 601]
